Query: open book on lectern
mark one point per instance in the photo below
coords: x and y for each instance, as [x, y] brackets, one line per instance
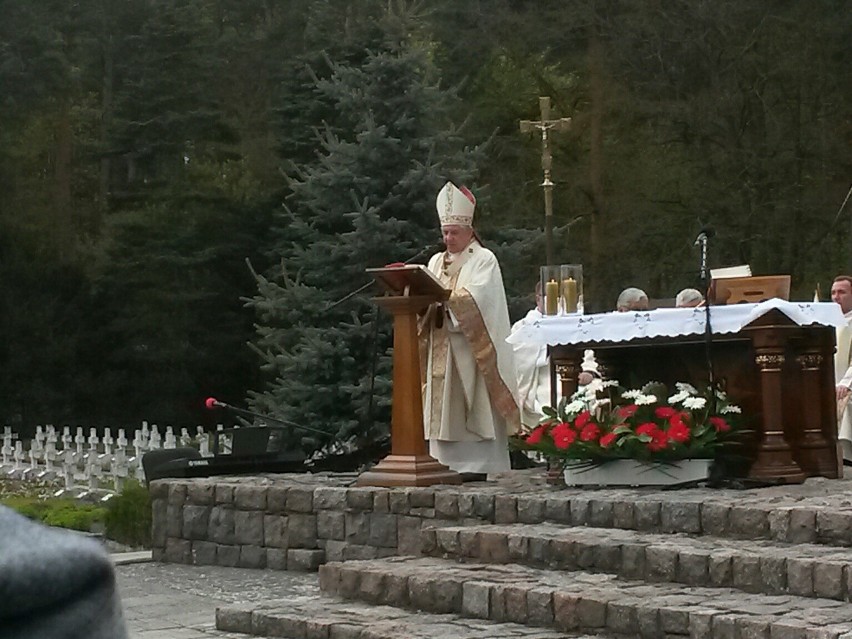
[410, 279]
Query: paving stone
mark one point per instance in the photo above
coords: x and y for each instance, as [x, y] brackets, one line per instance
[530, 511]
[678, 516]
[447, 506]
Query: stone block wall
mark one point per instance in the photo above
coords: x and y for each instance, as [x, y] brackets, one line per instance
[297, 522]
[274, 523]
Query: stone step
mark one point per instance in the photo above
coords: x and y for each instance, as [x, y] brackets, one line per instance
[312, 617]
[579, 601]
[807, 570]
[769, 513]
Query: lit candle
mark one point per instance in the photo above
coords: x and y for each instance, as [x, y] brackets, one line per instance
[551, 297]
[569, 294]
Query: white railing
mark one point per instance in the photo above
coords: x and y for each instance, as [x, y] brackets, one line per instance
[89, 465]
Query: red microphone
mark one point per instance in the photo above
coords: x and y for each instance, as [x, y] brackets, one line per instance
[212, 402]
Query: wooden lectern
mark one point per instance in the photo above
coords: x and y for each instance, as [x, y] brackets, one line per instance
[410, 289]
[737, 290]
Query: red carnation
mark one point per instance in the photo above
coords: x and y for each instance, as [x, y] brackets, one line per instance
[607, 440]
[590, 432]
[563, 436]
[627, 411]
[664, 412]
[648, 428]
[659, 441]
[720, 424]
[582, 419]
[535, 436]
[679, 433]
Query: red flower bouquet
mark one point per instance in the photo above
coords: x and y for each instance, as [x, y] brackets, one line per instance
[602, 421]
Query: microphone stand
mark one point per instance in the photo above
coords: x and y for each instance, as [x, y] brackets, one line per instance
[283, 422]
[708, 330]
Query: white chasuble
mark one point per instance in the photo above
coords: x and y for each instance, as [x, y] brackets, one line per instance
[469, 395]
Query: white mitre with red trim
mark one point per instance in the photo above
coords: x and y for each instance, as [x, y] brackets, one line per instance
[455, 205]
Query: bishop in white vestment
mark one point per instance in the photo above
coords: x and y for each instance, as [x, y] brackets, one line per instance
[469, 406]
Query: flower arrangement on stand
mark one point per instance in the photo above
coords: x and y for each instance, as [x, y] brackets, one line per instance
[648, 428]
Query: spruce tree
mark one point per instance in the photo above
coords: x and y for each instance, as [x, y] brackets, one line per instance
[367, 200]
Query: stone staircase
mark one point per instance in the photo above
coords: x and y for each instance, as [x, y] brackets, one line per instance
[700, 564]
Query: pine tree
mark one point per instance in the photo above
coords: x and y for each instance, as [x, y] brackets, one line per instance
[367, 200]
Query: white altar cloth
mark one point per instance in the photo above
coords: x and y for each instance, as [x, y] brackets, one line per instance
[668, 322]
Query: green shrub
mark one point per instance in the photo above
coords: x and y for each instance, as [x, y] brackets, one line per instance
[61, 512]
[128, 516]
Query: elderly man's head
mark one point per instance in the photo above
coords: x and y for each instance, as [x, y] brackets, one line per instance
[689, 297]
[632, 299]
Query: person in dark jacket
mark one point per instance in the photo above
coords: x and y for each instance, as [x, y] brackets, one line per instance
[55, 584]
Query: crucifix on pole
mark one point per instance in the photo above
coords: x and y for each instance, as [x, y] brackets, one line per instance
[545, 125]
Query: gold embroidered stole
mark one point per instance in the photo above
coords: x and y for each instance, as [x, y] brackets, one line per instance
[470, 318]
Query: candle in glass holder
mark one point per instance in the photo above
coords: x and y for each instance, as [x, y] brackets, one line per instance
[551, 297]
[569, 294]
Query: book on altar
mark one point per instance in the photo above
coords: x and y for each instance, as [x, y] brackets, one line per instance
[730, 271]
[410, 279]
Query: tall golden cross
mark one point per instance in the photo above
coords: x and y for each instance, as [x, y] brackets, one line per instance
[545, 125]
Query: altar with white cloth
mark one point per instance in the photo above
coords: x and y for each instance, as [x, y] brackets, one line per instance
[775, 359]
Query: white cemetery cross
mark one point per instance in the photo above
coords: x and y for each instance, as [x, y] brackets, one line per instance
[93, 471]
[33, 469]
[19, 457]
[154, 440]
[37, 443]
[79, 441]
[119, 468]
[49, 450]
[146, 436]
[138, 443]
[170, 441]
[6, 450]
[69, 462]
[67, 440]
[93, 441]
[203, 442]
[107, 442]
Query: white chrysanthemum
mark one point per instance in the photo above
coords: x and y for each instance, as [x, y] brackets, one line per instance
[631, 394]
[576, 406]
[731, 408]
[599, 403]
[610, 382]
[677, 398]
[694, 402]
[689, 389]
[645, 400]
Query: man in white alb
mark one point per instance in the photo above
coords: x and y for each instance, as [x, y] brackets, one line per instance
[469, 405]
[841, 293]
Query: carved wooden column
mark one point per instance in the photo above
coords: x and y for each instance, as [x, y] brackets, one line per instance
[774, 460]
[817, 450]
[566, 361]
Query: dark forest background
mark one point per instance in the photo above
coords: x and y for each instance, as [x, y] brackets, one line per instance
[186, 185]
